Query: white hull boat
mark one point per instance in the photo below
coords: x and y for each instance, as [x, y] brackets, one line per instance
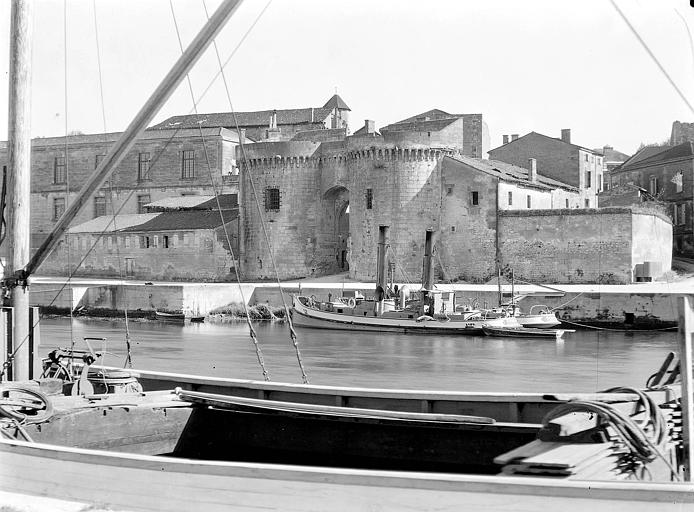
[337, 315]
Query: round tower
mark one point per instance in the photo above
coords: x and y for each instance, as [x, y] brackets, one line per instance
[278, 189]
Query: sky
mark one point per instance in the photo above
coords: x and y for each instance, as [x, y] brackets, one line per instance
[531, 65]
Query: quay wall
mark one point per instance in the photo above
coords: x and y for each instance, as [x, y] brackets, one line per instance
[611, 304]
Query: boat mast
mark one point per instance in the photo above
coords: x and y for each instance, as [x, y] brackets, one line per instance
[20, 265]
[18, 181]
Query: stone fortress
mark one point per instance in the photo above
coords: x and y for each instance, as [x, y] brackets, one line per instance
[320, 193]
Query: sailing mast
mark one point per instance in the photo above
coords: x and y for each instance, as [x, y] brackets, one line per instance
[20, 266]
[18, 181]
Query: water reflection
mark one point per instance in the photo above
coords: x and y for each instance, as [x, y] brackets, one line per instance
[584, 361]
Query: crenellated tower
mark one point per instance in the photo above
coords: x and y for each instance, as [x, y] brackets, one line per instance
[322, 203]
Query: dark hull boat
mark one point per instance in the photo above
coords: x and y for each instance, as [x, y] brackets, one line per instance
[524, 332]
[234, 443]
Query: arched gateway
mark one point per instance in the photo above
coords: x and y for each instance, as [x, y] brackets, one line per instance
[334, 229]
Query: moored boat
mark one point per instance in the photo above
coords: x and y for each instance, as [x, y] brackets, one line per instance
[432, 312]
[524, 332]
[178, 316]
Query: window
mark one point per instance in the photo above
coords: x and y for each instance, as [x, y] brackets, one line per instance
[474, 198]
[449, 190]
[188, 164]
[58, 207]
[682, 217]
[129, 267]
[127, 243]
[59, 173]
[99, 206]
[452, 229]
[144, 242]
[653, 185]
[529, 201]
[143, 166]
[589, 179]
[143, 200]
[510, 198]
[567, 202]
[677, 180]
[272, 199]
[165, 241]
[370, 198]
[586, 157]
[97, 160]
[587, 203]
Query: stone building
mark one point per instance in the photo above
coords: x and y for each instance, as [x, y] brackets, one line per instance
[611, 159]
[436, 127]
[278, 124]
[556, 158]
[323, 199]
[664, 174]
[176, 242]
[681, 132]
[162, 163]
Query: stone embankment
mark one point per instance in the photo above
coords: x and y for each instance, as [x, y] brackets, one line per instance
[642, 305]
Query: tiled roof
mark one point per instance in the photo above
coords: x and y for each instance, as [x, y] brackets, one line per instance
[336, 102]
[643, 153]
[547, 137]
[420, 126]
[611, 155]
[245, 119]
[686, 149]
[191, 219]
[509, 172]
[362, 131]
[179, 202]
[106, 224]
[195, 202]
[432, 114]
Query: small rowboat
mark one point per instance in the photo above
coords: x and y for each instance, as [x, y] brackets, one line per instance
[178, 317]
[524, 332]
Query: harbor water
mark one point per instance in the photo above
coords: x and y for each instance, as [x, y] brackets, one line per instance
[584, 361]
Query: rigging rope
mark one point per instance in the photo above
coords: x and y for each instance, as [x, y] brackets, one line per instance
[67, 171]
[128, 363]
[645, 439]
[11, 357]
[254, 337]
[287, 313]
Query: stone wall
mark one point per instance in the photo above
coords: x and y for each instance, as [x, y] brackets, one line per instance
[582, 246]
[192, 255]
[292, 167]
[681, 132]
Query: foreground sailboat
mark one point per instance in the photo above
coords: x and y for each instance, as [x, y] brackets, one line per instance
[181, 442]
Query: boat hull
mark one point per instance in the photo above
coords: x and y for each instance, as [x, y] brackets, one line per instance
[153, 483]
[540, 321]
[303, 316]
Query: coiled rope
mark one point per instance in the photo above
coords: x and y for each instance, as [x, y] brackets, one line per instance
[644, 439]
[14, 409]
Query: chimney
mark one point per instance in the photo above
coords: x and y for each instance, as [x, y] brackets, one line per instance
[505, 139]
[532, 170]
[566, 135]
[514, 137]
[370, 126]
